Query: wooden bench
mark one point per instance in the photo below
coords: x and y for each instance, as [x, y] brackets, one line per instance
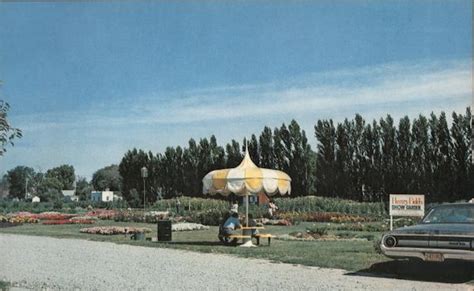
[258, 236]
[237, 236]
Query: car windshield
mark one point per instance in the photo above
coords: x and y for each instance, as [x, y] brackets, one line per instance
[451, 214]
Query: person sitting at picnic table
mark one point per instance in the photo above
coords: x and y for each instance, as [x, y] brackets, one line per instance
[232, 223]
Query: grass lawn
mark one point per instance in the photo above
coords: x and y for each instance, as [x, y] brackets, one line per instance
[345, 254]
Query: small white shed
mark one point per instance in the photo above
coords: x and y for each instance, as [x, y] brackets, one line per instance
[104, 196]
[35, 199]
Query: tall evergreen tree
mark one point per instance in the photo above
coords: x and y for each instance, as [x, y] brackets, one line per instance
[191, 174]
[371, 173]
[405, 157]
[325, 158]
[444, 171]
[460, 133]
[253, 149]
[343, 185]
[266, 148]
[421, 156]
[389, 156]
[234, 155]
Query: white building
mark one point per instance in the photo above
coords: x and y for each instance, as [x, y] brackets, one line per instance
[104, 196]
[70, 195]
[35, 199]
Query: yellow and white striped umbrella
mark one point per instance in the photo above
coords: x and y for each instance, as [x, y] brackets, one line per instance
[246, 179]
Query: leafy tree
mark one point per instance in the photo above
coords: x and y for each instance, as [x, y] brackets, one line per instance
[217, 154]
[17, 178]
[343, 156]
[234, 155]
[168, 173]
[358, 161]
[372, 162]
[83, 189]
[190, 171]
[405, 156]
[443, 172]
[4, 186]
[421, 155]
[50, 188]
[130, 171]
[179, 172]
[8, 133]
[301, 160]
[266, 153]
[325, 158]
[460, 132]
[253, 148]
[64, 175]
[389, 147]
[107, 178]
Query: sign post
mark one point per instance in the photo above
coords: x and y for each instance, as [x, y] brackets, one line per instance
[406, 205]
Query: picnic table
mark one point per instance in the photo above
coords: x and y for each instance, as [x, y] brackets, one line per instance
[247, 236]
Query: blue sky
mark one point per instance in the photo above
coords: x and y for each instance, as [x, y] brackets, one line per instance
[87, 81]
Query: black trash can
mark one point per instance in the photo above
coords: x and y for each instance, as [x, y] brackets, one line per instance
[164, 230]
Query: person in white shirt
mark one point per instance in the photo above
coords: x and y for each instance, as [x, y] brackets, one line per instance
[271, 209]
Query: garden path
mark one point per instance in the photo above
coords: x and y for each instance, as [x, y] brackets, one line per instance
[44, 262]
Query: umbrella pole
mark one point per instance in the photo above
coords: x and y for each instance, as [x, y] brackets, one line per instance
[247, 209]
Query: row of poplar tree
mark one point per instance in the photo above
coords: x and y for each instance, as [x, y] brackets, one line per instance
[354, 159]
[179, 171]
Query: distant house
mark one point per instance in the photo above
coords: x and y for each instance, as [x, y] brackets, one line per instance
[70, 195]
[102, 196]
[35, 199]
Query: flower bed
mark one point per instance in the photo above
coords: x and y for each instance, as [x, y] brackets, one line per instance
[3, 218]
[105, 214]
[186, 226]
[84, 218]
[266, 221]
[140, 216]
[53, 216]
[111, 230]
[68, 221]
[19, 218]
[322, 217]
[23, 219]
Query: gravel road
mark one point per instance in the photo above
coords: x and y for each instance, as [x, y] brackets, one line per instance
[50, 263]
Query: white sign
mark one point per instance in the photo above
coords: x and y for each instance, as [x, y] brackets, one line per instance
[407, 205]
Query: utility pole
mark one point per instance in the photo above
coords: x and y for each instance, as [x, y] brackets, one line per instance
[144, 172]
[26, 188]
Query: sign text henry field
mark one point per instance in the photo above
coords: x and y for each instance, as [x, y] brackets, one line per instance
[407, 205]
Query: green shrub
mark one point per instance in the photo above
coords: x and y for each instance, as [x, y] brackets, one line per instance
[189, 204]
[209, 217]
[370, 227]
[319, 230]
[324, 204]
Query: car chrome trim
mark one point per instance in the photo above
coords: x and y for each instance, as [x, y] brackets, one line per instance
[453, 254]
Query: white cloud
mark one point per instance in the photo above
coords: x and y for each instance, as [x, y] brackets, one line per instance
[397, 84]
[93, 138]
